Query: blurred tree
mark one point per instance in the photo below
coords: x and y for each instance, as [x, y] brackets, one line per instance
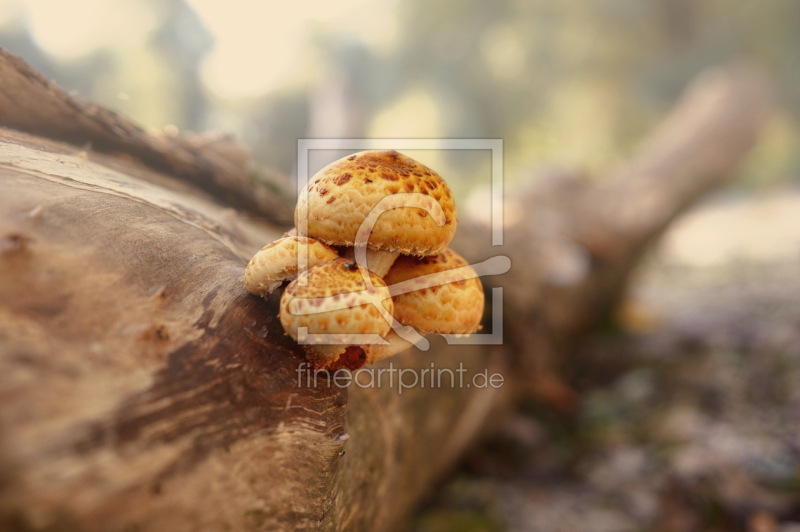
[572, 83]
[182, 41]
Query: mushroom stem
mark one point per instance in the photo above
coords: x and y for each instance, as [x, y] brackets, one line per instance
[379, 352]
[379, 262]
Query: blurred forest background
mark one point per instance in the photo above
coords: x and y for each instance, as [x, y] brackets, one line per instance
[573, 84]
[690, 402]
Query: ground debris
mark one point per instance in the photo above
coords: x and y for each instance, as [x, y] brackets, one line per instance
[692, 425]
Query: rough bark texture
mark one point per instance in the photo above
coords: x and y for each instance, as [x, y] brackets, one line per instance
[141, 387]
[31, 103]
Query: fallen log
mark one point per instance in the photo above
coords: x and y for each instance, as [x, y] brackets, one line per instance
[31, 103]
[142, 387]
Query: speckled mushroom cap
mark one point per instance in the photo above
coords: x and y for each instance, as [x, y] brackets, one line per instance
[334, 284]
[341, 195]
[278, 262]
[452, 308]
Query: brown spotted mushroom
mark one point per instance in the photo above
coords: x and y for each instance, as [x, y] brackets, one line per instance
[340, 197]
[378, 262]
[453, 305]
[333, 299]
[282, 260]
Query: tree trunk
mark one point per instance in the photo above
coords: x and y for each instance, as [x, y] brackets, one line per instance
[142, 387]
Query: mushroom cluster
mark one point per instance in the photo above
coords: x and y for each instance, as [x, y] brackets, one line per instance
[368, 257]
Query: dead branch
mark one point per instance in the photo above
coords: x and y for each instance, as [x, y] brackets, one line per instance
[31, 103]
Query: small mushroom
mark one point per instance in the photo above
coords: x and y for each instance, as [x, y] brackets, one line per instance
[333, 299]
[378, 262]
[454, 305]
[437, 294]
[338, 199]
[283, 260]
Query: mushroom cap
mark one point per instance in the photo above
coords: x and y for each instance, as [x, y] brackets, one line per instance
[452, 308]
[278, 261]
[343, 283]
[341, 195]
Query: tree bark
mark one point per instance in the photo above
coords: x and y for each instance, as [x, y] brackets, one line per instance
[142, 387]
[31, 103]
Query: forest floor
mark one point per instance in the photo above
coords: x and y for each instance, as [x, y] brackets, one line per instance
[689, 418]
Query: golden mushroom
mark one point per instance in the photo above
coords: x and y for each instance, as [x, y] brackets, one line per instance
[281, 261]
[453, 306]
[333, 299]
[439, 294]
[341, 196]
